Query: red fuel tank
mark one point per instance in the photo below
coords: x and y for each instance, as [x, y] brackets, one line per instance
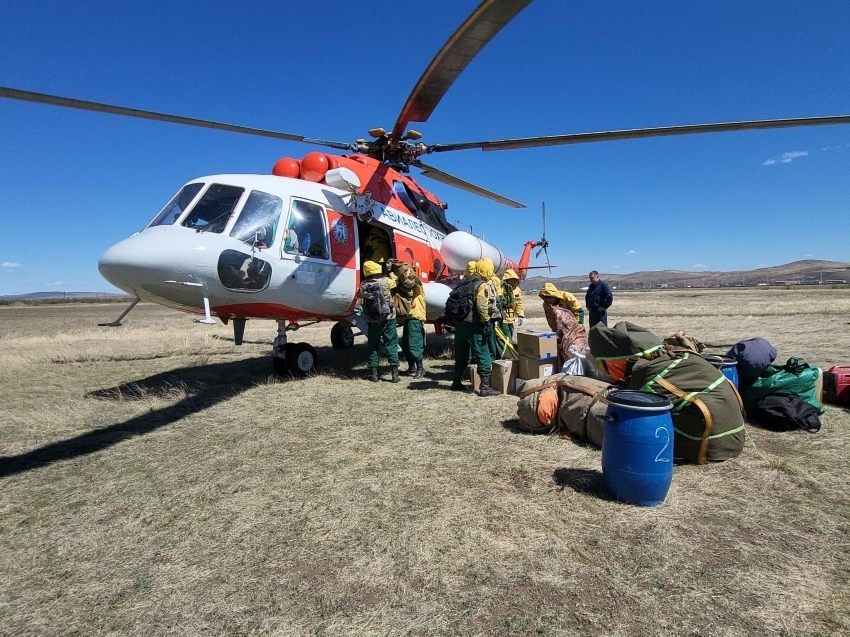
[836, 385]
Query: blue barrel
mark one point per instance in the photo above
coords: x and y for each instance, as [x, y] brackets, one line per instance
[727, 365]
[637, 447]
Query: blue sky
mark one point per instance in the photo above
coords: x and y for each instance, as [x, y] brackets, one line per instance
[74, 182]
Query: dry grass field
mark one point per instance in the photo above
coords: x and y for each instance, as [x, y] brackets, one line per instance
[157, 480]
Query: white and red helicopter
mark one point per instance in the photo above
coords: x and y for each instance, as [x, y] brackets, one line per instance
[289, 246]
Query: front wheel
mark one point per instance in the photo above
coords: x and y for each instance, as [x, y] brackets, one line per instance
[301, 360]
[342, 336]
[280, 363]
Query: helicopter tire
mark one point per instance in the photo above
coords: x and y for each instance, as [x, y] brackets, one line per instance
[342, 336]
[280, 362]
[301, 360]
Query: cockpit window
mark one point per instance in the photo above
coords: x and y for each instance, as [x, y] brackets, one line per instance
[305, 232]
[212, 212]
[178, 204]
[257, 223]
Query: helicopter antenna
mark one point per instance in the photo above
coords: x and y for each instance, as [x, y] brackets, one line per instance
[543, 243]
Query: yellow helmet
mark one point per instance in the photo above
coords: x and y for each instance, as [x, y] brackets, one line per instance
[370, 268]
[485, 267]
[510, 275]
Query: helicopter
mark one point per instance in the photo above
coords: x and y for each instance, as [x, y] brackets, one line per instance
[289, 246]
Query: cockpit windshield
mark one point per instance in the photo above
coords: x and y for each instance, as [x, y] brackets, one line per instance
[213, 211]
[257, 223]
[177, 206]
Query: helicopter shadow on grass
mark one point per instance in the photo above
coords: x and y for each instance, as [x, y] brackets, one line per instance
[202, 387]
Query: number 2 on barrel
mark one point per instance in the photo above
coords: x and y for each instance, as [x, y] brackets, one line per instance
[658, 458]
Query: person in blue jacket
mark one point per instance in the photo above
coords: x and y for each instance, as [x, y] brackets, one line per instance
[598, 299]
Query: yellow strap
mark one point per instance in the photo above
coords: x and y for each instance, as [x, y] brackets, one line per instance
[706, 414]
[662, 374]
[508, 345]
[687, 398]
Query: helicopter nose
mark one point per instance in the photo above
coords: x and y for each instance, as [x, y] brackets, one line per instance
[145, 258]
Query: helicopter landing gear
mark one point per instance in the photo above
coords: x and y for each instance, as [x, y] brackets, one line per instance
[342, 336]
[292, 359]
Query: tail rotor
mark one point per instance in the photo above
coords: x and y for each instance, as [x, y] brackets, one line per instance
[543, 244]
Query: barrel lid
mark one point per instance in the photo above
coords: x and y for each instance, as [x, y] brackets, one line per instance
[639, 400]
[720, 361]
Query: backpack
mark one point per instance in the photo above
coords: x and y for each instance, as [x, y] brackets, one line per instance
[754, 356]
[784, 413]
[460, 301]
[375, 306]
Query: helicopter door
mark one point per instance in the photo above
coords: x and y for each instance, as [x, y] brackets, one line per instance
[342, 286]
[321, 276]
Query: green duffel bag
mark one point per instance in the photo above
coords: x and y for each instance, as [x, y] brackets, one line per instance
[794, 378]
[580, 407]
[707, 417]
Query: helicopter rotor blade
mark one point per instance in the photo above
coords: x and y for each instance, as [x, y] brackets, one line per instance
[543, 205]
[463, 45]
[635, 133]
[548, 263]
[56, 100]
[439, 175]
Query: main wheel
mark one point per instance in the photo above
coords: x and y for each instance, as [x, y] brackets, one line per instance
[301, 360]
[342, 336]
[280, 362]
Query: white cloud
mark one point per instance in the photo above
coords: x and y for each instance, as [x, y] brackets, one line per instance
[810, 254]
[54, 283]
[613, 267]
[786, 158]
[698, 265]
[10, 264]
[631, 252]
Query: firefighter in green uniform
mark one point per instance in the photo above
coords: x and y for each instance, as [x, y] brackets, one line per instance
[410, 310]
[472, 334]
[376, 302]
[512, 311]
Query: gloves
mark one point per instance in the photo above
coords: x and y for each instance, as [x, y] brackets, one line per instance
[488, 329]
[519, 321]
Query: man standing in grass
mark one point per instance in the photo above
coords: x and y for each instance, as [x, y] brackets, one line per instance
[598, 299]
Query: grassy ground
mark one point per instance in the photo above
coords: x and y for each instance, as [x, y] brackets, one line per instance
[156, 479]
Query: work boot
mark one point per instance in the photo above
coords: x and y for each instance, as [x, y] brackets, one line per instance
[457, 384]
[485, 389]
[373, 374]
[420, 370]
[411, 368]
[394, 370]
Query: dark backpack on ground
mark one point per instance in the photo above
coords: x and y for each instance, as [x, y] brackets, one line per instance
[375, 306]
[785, 413]
[754, 356]
[461, 299]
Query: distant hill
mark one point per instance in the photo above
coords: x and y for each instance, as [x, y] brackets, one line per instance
[70, 296]
[809, 272]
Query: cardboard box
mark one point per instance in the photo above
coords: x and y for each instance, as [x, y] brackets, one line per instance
[532, 368]
[503, 377]
[474, 378]
[540, 346]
